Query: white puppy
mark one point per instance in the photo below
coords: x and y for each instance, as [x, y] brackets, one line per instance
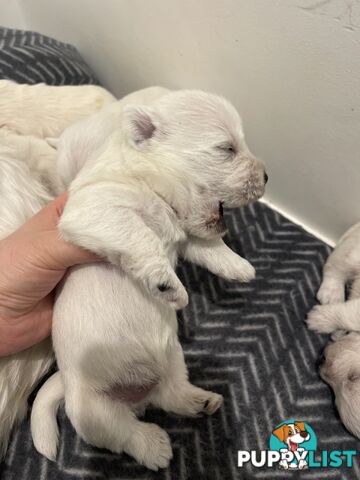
[45, 111]
[341, 370]
[22, 196]
[26, 167]
[342, 267]
[35, 152]
[149, 185]
[341, 359]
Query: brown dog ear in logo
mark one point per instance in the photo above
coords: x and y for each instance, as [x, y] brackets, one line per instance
[281, 432]
[300, 426]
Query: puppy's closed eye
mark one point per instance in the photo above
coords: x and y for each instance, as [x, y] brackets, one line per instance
[227, 148]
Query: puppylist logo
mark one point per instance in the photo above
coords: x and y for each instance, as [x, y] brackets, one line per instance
[293, 446]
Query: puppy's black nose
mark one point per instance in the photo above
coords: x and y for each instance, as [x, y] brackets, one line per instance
[266, 178]
[304, 434]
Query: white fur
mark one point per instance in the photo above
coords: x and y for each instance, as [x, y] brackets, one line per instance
[45, 111]
[21, 197]
[145, 185]
[342, 267]
[341, 366]
[26, 168]
[341, 370]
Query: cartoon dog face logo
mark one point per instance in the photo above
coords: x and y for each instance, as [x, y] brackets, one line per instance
[292, 434]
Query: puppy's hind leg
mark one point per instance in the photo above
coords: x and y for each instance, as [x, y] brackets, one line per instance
[176, 394]
[108, 423]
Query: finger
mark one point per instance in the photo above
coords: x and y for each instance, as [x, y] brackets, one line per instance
[67, 255]
[49, 249]
[70, 254]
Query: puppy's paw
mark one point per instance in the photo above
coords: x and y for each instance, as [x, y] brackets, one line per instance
[240, 270]
[322, 319]
[150, 446]
[332, 290]
[213, 403]
[167, 287]
[193, 401]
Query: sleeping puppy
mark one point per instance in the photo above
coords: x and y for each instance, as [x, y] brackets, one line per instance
[341, 359]
[27, 162]
[342, 267]
[340, 368]
[149, 185]
[45, 111]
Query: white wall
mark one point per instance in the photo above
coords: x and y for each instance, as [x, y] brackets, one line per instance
[11, 14]
[291, 67]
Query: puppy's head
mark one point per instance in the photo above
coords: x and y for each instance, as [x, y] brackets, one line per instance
[340, 368]
[201, 136]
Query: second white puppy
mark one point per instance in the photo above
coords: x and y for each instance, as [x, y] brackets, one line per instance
[45, 110]
[342, 267]
[341, 370]
[150, 187]
[341, 359]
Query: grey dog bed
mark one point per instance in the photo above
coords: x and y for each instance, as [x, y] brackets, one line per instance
[248, 342]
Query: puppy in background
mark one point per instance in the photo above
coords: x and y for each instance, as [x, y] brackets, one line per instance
[36, 153]
[45, 111]
[340, 366]
[147, 183]
[28, 113]
[341, 268]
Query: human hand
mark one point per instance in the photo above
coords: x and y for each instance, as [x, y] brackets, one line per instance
[33, 260]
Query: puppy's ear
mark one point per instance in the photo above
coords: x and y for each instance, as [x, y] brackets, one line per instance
[140, 124]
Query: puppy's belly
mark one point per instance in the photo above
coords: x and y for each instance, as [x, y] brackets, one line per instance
[107, 329]
[130, 393]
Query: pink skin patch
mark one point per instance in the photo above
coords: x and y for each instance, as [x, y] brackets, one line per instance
[129, 393]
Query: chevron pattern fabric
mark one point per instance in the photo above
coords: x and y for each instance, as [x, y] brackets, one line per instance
[248, 342]
[29, 57]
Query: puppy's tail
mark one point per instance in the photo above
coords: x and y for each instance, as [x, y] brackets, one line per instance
[19, 374]
[44, 427]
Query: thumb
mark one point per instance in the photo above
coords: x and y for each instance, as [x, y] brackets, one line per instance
[57, 253]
